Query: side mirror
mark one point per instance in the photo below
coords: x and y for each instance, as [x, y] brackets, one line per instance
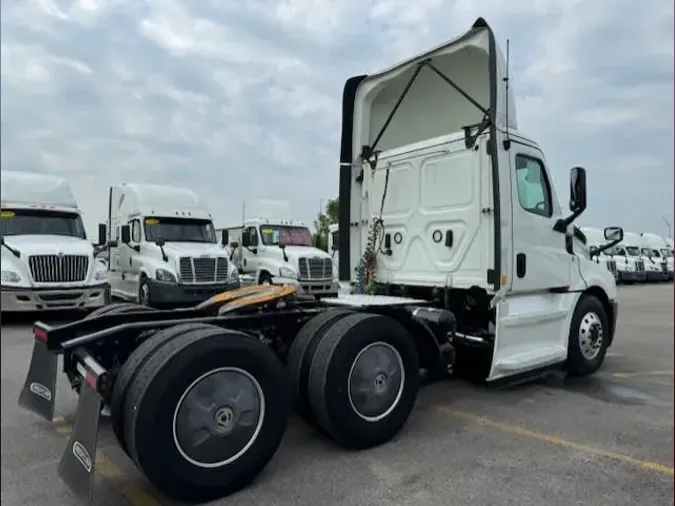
[245, 240]
[282, 245]
[125, 234]
[102, 234]
[225, 237]
[160, 242]
[593, 250]
[614, 234]
[336, 242]
[577, 190]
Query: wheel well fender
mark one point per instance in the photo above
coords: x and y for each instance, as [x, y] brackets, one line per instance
[601, 295]
[428, 350]
[259, 274]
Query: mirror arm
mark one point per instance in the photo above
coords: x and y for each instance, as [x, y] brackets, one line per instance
[562, 224]
[605, 247]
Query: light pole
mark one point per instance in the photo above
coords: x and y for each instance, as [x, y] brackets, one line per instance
[670, 231]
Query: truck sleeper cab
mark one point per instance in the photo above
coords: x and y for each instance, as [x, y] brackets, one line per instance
[47, 261]
[274, 248]
[166, 251]
[441, 198]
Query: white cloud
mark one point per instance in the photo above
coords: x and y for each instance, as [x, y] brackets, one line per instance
[243, 99]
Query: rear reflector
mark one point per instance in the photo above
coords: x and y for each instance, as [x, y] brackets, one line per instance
[40, 333]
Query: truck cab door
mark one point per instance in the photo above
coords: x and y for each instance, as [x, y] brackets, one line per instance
[249, 252]
[532, 318]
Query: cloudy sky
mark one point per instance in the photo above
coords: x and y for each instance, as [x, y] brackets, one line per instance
[241, 99]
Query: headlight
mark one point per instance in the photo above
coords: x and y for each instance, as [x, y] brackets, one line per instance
[10, 277]
[100, 274]
[164, 275]
[286, 272]
[234, 274]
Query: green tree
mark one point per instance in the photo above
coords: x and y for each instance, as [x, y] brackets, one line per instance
[329, 216]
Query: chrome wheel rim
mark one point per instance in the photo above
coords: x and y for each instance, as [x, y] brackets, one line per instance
[591, 335]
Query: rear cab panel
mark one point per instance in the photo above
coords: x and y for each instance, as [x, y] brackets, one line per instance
[439, 208]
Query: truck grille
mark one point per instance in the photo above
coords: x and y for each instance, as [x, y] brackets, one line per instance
[315, 268]
[611, 266]
[58, 268]
[203, 270]
[639, 265]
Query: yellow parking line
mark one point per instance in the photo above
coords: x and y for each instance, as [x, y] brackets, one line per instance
[559, 441]
[646, 373]
[105, 467]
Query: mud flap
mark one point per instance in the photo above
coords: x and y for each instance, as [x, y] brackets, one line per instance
[78, 463]
[39, 389]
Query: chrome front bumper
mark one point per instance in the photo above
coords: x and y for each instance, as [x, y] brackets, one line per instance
[327, 287]
[41, 299]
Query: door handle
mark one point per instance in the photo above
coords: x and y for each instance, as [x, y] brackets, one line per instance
[521, 265]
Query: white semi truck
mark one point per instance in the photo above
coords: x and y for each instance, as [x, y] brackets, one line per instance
[441, 199]
[595, 239]
[276, 249]
[660, 250]
[47, 261]
[632, 246]
[165, 251]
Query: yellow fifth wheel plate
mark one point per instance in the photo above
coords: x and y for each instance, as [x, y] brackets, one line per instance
[7, 214]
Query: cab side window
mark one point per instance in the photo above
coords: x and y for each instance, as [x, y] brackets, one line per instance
[252, 236]
[135, 231]
[534, 191]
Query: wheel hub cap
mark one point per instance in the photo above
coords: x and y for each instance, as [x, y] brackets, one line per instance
[218, 417]
[590, 336]
[375, 382]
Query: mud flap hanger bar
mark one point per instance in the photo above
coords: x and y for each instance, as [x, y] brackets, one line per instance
[370, 155]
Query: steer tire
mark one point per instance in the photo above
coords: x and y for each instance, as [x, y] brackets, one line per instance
[329, 379]
[300, 355]
[588, 308]
[154, 406]
[118, 308]
[132, 365]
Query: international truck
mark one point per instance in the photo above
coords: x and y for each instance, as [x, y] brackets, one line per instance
[447, 217]
[595, 238]
[165, 251]
[632, 246]
[47, 261]
[660, 251]
[274, 248]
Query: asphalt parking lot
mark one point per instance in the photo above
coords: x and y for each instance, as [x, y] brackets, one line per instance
[605, 440]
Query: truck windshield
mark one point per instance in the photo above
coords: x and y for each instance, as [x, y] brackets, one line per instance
[273, 235]
[633, 251]
[41, 222]
[179, 230]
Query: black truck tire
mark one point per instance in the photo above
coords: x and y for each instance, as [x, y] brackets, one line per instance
[356, 346]
[589, 337]
[299, 359]
[118, 308]
[211, 466]
[130, 368]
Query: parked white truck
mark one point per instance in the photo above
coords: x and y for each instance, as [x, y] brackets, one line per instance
[165, 247]
[47, 261]
[632, 246]
[442, 198]
[660, 250]
[595, 239]
[274, 248]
